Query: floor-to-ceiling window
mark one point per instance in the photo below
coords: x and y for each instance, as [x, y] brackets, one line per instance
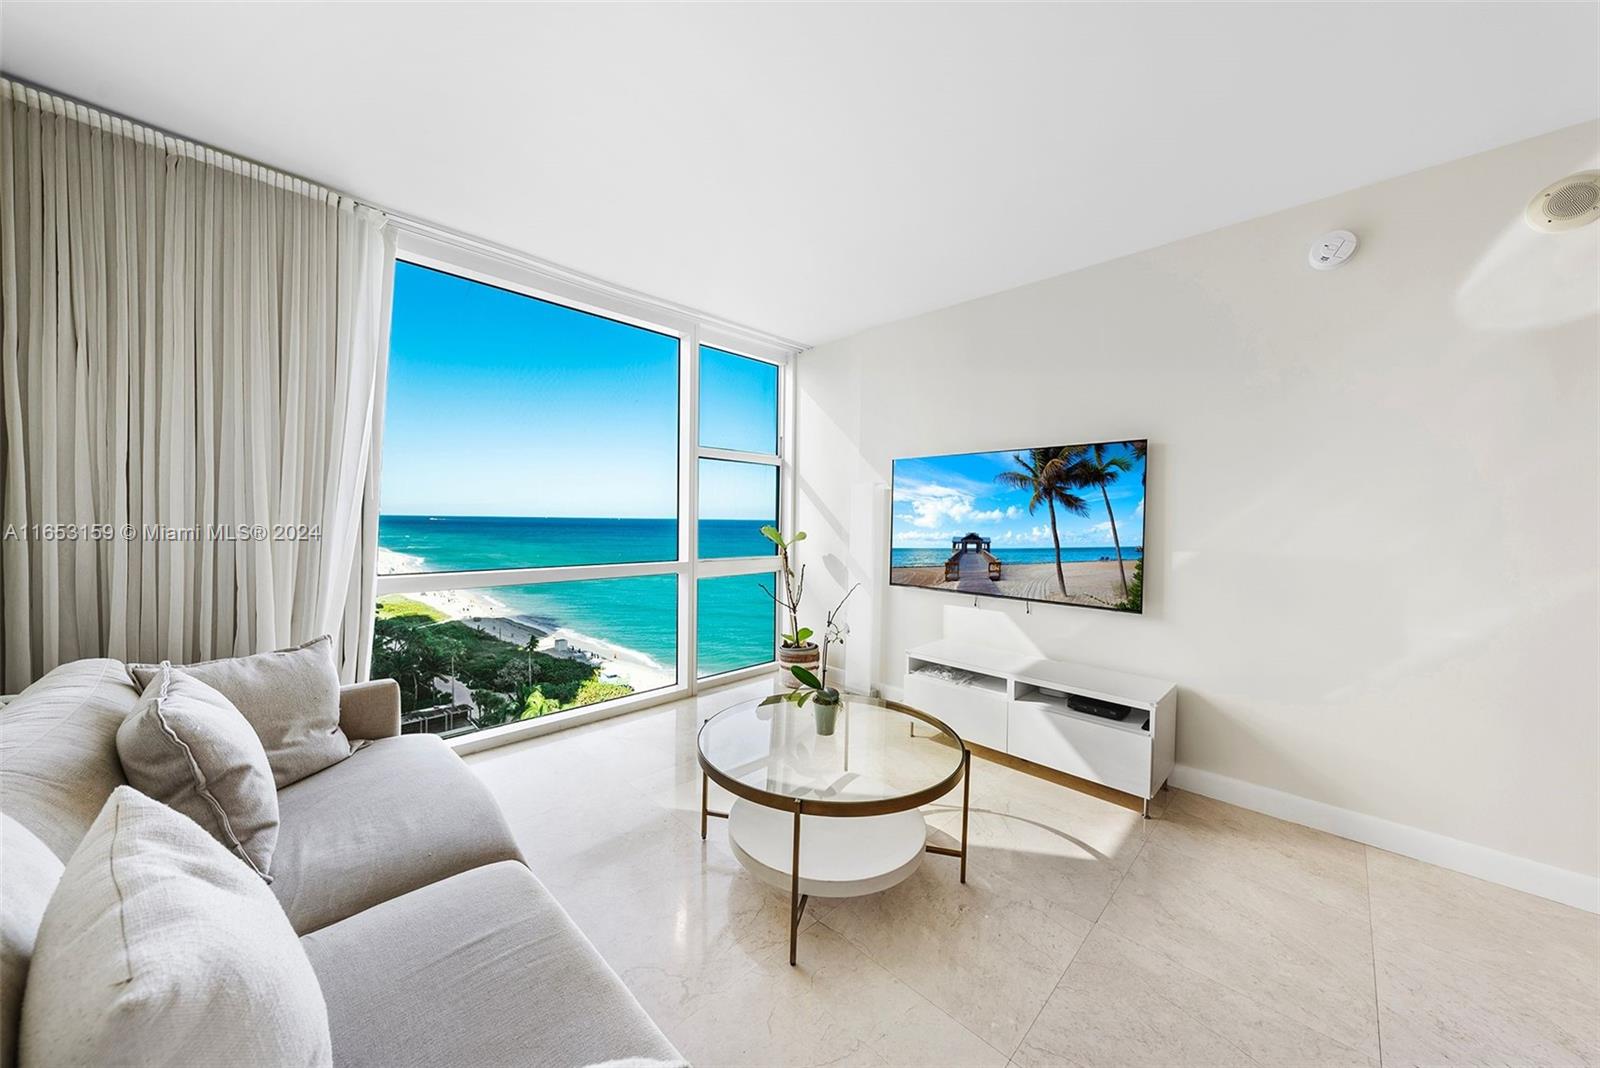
[738, 471]
[572, 503]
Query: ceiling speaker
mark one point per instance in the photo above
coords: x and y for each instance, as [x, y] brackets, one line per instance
[1572, 202]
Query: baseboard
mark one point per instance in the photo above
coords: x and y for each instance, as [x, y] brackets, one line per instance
[1519, 873]
[1480, 862]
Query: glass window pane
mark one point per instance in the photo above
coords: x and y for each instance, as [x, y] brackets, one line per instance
[521, 433]
[738, 402]
[735, 622]
[471, 659]
[736, 501]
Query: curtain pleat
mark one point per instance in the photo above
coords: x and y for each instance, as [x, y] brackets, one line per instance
[191, 355]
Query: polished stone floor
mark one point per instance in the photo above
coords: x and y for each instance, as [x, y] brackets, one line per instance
[1085, 935]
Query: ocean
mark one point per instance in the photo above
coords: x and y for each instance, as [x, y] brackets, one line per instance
[930, 557]
[640, 613]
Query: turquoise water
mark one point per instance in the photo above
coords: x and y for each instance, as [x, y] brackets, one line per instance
[641, 613]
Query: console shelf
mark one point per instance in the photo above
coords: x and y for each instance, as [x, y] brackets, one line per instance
[1022, 705]
[950, 675]
[1137, 722]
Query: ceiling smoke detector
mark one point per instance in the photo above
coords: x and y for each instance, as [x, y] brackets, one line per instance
[1332, 249]
[1572, 202]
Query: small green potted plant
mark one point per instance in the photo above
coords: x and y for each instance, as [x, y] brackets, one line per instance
[811, 687]
[796, 648]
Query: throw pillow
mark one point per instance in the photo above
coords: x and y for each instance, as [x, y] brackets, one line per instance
[185, 745]
[158, 947]
[290, 697]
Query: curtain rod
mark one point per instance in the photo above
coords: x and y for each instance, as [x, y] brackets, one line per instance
[105, 120]
[415, 224]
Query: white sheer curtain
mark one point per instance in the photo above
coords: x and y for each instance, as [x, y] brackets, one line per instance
[192, 343]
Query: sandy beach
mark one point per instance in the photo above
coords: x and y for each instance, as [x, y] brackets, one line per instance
[484, 612]
[393, 563]
[1089, 582]
[617, 663]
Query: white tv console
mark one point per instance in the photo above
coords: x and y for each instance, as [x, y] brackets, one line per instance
[1006, 702]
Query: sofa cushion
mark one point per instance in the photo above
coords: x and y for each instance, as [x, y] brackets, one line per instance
[490, 953]
[185, 745]
[160, 947]
[290, 697]
[401, 813]
[29, 873]
[58, 749]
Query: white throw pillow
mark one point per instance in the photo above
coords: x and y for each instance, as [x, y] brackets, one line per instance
[159, 947]
[185, 745]
[290, 697]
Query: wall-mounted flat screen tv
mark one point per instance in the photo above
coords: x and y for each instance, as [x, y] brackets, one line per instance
[1062, 524]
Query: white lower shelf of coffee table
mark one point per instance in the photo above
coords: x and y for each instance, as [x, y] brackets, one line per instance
[840, 856]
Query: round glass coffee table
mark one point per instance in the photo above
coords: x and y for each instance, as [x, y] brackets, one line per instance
[851, 796]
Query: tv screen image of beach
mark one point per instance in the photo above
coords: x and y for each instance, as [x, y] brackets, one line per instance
[1060, 524]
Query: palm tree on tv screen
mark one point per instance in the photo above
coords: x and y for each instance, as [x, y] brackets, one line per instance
[1088, 467]
[1041, 476]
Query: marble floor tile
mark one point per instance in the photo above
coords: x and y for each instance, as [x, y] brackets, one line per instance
[1123, 1005]
[677, 790]
[1060, 871]
[1085, 935]
[1298, 860]
[835, 1004]
[1474, 973]
[1276, 917]
[981, 951]
[1064, 850]
[592, 835]
[690, 923]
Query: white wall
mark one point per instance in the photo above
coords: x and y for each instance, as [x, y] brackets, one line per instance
[1372, 498]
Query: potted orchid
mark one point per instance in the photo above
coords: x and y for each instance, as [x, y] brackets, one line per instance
[796, 648]
[812, 687]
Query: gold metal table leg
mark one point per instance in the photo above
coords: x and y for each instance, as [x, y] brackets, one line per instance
[966, 805]
[797, 903]
[966, 796]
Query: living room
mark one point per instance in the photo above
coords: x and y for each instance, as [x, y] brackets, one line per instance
[789, 534]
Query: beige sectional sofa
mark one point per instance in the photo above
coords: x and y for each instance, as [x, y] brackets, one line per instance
[432, 941]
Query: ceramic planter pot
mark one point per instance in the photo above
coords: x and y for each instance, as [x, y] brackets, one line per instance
[825, 707]
[807, 656]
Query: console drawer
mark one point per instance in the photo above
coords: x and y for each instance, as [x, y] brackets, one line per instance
[976, 712]
[1102, 753]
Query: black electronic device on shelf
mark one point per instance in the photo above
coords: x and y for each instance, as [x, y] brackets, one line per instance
[1096, 707]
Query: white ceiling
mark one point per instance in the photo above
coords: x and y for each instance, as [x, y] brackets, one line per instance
[814, 169]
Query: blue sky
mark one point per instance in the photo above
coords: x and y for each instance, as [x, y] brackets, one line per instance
[937, 498]
[500, 404]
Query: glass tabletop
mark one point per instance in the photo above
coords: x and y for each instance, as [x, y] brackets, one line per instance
[880, 757]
